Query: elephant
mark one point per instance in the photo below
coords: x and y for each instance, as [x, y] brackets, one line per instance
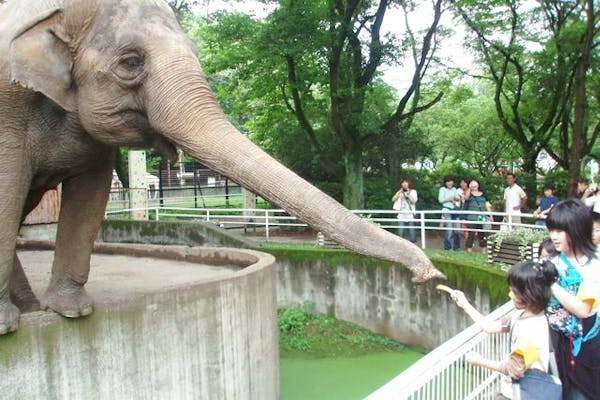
[78, 79]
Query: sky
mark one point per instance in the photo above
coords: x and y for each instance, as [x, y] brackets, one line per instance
[398, 77]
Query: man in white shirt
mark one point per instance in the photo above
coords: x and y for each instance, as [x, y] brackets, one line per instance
[515, 199]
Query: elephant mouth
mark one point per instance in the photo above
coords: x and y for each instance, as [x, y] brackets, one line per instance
[165, 147]
[150, 136]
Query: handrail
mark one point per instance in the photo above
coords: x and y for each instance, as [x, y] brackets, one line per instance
[443, 374]
[425, 220]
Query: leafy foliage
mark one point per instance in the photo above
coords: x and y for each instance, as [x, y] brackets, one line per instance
[305, 84]
[543, 64]
[301, 330]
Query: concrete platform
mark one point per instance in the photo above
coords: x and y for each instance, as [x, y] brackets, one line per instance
[117, 278]
[170, 322]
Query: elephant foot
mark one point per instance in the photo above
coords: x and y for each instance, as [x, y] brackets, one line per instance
[26, 302]
[9, 316]
[69, 300]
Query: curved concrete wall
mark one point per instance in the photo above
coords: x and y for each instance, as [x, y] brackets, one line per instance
[382, 297]
[215, 339]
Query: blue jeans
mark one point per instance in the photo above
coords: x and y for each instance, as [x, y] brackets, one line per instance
[538, 385]
[410, 227]
[452, 234]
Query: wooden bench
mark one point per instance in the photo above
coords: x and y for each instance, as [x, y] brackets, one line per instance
[511, 252]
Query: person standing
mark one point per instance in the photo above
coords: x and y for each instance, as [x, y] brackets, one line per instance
[515, 199]
[546, 204]
[583, 190]
[477, 201]
[463, 193]
[449, 198]
[573, 310]
[405, 201]
[592, 201]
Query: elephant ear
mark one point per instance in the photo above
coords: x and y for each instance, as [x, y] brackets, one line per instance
[41, 60]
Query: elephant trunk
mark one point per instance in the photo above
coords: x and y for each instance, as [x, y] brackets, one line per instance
[188, 115]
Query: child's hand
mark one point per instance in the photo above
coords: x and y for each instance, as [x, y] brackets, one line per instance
[459, 298]
[473, 358]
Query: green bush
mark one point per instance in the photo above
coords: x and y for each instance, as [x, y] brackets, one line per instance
[301, 330]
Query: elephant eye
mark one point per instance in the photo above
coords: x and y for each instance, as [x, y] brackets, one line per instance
[129, 67]
[132, 62]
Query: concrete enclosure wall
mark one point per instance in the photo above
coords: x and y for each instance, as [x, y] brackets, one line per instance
[382, 298]
[218, 340]
[214, 339]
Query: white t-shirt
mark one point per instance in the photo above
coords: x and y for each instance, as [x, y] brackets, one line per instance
[512, 198]
[406, 205]
[530, 340]
[593, 202]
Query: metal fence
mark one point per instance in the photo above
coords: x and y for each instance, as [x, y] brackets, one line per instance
[444, 374]
[266, 220]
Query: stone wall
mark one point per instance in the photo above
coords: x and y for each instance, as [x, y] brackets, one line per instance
[382, 298]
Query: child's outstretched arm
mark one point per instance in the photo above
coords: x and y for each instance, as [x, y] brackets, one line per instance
[485, 324]
[513, 366]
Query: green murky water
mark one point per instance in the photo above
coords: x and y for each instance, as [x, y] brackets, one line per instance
[341, 378]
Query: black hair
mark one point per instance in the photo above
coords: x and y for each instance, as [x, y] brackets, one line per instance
[550, 186]
[547, 245]
[448, 178]
[573, 217]
[531, 282]
[595, 216]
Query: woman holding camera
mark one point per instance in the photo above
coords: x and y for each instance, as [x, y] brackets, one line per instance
[404, 202]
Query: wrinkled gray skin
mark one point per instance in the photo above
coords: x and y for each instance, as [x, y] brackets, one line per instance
[77, 80]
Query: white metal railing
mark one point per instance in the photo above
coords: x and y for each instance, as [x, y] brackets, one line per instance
[424, 221]
[443, 373]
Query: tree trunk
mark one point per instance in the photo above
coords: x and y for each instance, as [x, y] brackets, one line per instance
[578, 146]
[353, 179]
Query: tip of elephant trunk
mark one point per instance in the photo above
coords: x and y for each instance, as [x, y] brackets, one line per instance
[431, 274]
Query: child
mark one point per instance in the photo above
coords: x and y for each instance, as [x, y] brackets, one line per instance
[546, 204]
[529, 289]
[547, 250]
[573, 309]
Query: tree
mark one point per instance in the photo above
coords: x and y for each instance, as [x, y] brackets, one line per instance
[322, 61]
[466, 130]
[539, 63]
[576, 28]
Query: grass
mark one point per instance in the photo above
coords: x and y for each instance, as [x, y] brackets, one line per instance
[304, 333]
[460, 257]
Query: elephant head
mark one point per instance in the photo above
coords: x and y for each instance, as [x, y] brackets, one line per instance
[129, 75]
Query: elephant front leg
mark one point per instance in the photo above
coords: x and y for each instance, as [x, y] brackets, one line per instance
[11, 207]
[84, 200]
[9, 313]
[21, 293]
